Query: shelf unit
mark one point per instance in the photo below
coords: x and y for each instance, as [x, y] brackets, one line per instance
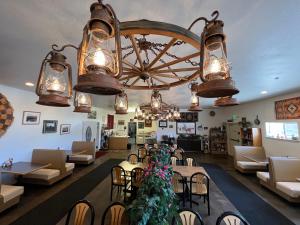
[251, 137]
[218, 140]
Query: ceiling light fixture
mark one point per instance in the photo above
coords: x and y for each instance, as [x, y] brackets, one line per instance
[264, 92]
[29, 84]
[195, 103]
[121, 103]
[82, 102]
[226, 101]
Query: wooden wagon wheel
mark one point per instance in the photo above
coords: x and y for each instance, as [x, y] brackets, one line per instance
[148, 60]
[6, 114]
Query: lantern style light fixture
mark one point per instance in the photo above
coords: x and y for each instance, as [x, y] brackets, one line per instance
[136, 114]
[99, 55]
[82, 102]
[156, 101]
[54, 85]
[226, 101]
[121, 103]
[176, 113]
[195, 103]
[214, 67]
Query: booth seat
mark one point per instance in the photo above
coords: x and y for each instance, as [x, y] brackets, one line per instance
[282, 177]
[9, 196]
[255, 162]
[56, 170]
[84, 152]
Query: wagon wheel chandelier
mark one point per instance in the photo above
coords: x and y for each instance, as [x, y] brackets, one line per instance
[139, 55]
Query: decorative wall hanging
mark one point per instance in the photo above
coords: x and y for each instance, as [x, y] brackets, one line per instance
[92, 115]
[141, 125]
[188, 117]
[50, 126]
[31, 118]
[288, 109]
[65, 129]
[148, 123]
[185, 128]
[6, 114]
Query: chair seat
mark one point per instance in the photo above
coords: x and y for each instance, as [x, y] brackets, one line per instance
[292, 189]
[264, 176]
[80, 157]
[252, 165]
[199, 189]
[43, 174]
[9, 192]
[70, 166]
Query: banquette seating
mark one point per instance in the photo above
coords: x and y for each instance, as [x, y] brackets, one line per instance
[9, 196]
[249, 159]
[282, 177]
[56, 170]
[84, 152]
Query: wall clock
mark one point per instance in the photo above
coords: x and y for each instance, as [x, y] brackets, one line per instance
[6, 114]
[212, 113]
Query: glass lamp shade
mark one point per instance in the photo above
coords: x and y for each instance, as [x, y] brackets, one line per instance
[54, 86]
[121, 103]
[82, 102]
[214, 68]
[195, 103]
[99, 56]
[156, 102]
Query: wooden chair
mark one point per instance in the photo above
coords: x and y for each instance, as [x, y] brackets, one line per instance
[118, 179]
[174, 160]
[199, 186]
[178, 183]
[146, 159]
[81, 209]
[231, 218]
[188, 217]
[137, 176]
[117, 210]
[133, 158]
[190, 162]
[142, 152]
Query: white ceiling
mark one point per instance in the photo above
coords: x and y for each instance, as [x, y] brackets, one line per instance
[262, 40]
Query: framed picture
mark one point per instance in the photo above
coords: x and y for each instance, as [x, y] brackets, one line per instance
[148, 123]
[65, 129]
[288, 109]
[121, 122]
[186, 128]
[141, 125]
[92, 115]
[31, 118]
[163, 123]
[50, 126]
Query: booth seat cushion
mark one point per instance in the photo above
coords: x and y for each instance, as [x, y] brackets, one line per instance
[265, 176]
[251, 165]
[292, 189]
[43, 174]
[9, 192]
[70, 166]
[81, 157]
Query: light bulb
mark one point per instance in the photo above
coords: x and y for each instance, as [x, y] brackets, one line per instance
[215, 66]
[121, 104]
[55, 83]
[99, 58]
[194, 98]
[82, 99]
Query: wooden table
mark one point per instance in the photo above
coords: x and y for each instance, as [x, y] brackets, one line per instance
[127, 166]
[22, 168]
[188, 171]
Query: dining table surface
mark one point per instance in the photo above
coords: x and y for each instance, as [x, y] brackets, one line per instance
[127, 166]
[188, 171]
[22, 168]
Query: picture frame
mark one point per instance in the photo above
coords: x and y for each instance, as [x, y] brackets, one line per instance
[141, 125]
[121, 122]
[148, 123]
[50, 126]
[65, 129]
[163, 123]
[186, 128]
[92, 115]
[31, 118]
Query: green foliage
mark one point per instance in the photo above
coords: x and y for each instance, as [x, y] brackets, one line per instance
[156, 202]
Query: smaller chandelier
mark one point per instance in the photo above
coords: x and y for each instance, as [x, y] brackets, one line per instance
[82, 102]
[156, 102]
[214, 67]
[54, 85]
[121, 103]
[99, 60]
[195, 103]
[226, 101]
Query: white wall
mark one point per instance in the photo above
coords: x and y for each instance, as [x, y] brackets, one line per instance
[19, 140]
[265, 109]
[204, 119]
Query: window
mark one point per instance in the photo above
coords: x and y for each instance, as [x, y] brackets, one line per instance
[280, 130]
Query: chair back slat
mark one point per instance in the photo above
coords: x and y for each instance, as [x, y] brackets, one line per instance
[81, 209]
[137, 176]
[231, 218]
[116, 210]
[189, 161]
[187, 218]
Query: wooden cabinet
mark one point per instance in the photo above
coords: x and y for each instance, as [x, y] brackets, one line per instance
[251, 137]
[218, 140]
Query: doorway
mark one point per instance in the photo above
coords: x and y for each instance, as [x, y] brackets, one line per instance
[132, 132]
